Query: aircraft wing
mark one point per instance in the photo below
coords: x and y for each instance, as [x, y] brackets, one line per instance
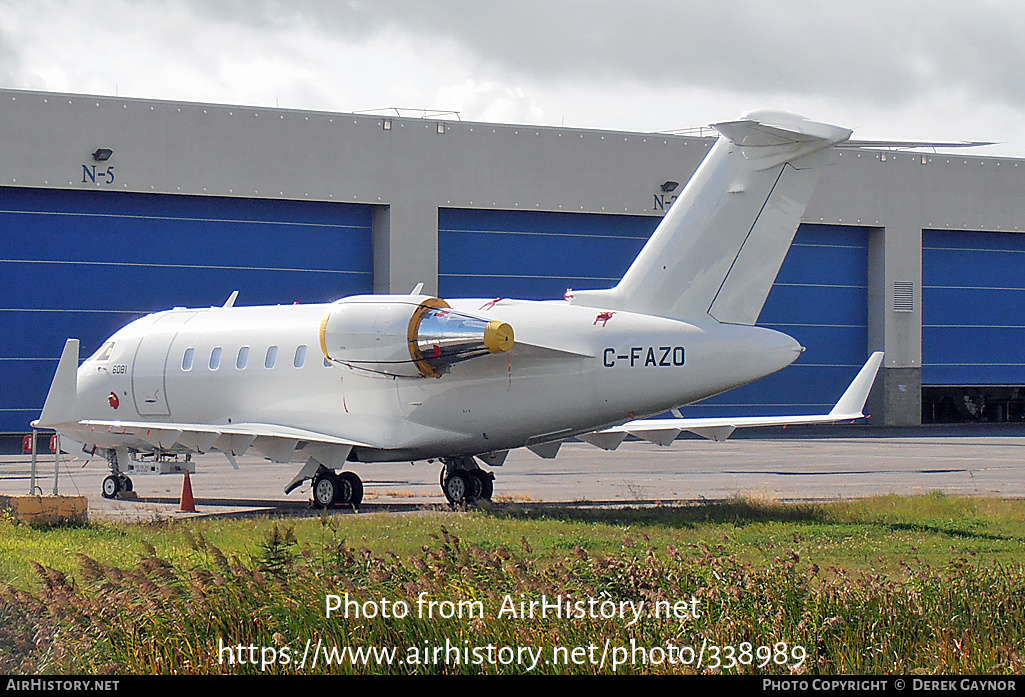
[276, 443]
[850, 406]
[150, 429]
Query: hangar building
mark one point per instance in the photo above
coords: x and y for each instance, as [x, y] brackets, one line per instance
[111, 208]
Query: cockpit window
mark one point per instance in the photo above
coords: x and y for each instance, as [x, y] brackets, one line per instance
[104, 352]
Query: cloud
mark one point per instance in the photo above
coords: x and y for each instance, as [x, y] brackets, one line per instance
[490, 101]
[874, 50]
[921, 67]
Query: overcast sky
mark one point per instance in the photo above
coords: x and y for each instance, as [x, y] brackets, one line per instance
[889, 69]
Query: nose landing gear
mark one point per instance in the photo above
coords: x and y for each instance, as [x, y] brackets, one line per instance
[115, 484]
[117, 481]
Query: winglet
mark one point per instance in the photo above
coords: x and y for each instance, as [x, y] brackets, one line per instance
[662, 431]
[230, 302]
[852, 403]
[60, 401]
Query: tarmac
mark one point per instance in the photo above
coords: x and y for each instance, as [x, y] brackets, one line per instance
[830, 464]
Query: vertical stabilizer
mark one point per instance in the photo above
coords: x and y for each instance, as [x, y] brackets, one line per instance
[60, 400]
[720, 246]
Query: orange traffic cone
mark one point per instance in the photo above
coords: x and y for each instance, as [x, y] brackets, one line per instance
[188, 504]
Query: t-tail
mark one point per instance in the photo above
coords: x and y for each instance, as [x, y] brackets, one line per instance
[718, 249]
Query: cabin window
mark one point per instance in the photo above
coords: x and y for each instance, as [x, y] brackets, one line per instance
[215, 358]
[300, 356]
[271, 358]
[103, 353]
[190, 354]
[243, 358]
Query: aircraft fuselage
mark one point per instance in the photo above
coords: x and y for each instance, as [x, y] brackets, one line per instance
[571, 370]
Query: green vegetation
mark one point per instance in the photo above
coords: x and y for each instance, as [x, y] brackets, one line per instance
[929, 584]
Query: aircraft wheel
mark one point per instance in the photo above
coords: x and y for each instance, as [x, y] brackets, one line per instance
[354, 486]
[457, 488]
[476, 485]
[486, 484]
[111, 486]
[327, 489]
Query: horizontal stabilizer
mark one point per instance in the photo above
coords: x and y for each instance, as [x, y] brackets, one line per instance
[909, 144]
[662, 431]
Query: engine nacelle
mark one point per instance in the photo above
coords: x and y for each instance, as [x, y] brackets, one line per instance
[407, 335]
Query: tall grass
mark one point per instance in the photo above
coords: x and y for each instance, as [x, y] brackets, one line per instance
[172, 613]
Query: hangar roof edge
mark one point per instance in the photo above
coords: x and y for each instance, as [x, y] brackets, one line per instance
[16, 92]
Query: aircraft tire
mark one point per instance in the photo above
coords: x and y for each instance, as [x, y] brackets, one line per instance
[476, 482]
[111, 486]
[486, 484]
[355, 488]
[457, 488]
[327, 489]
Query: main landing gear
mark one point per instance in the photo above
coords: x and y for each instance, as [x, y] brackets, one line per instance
[464, 482]
[337, 489]
[117, 481]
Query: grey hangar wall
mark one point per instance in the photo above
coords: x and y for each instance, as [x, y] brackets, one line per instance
[920, 256]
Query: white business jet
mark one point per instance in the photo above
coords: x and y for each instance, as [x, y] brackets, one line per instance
[382, 378]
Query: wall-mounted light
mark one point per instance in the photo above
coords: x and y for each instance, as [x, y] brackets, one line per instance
[669, 186]
[441, 128]
[102, 154]
[386, 124]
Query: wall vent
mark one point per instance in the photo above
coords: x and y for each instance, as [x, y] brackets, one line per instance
[903, 296]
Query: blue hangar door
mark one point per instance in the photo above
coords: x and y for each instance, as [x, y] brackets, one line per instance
[533, 255]
[820, 296]
[973, 326]
[83, 264]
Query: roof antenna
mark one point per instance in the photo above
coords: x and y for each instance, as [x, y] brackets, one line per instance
[419, 289]
[230, 302]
